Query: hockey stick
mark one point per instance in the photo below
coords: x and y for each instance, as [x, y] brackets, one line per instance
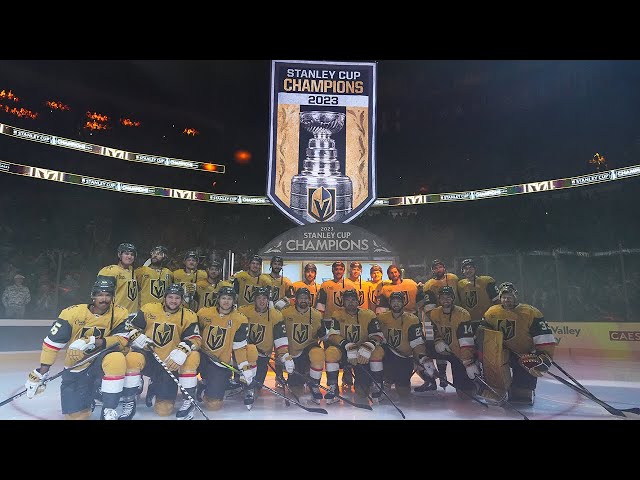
[177, 382]
[628, 413]
[233, 369]
[460, 389]
[634, 412]
[346, 400]
[284, 384]
[53, 377]
[381, 389]
[504, 401]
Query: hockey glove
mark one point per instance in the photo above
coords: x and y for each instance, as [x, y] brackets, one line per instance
[177, 356]
[289, 364]
[352, 353]
[442, 348]
[248, 373]
[35, 383]
[473, 370]
[427, 365]
[139, 340]
[78, 349]
[364, 352]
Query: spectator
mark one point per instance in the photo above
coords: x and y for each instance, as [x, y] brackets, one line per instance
[46, 302]
[16, 297]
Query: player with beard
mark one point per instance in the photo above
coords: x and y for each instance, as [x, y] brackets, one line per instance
[154, 279]
[281, 287]
[404, 345]
[188, 277]
[207, 289]
[90, 328]
[309, 282]
[171, 330]
[124, 273]
[477, 292]
[245, 281]
[305, 330]
[330, 294]
[406, 286]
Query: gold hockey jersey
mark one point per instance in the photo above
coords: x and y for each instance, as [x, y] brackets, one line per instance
[363, 288]
[126, 286]
[434, 286]
[243, 283]
[152, 283]
[330, 295]
[207, 292]
[303, 329]
[223, 334]
[477, 295]
[168, 329]
[313, 289]
[76, 322]
[409, 289]
[403, 334]
[267, 330]
[456, 330]
[280, 287]
[524, 328]
[358, 328]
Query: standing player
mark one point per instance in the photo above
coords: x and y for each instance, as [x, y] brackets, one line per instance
[477, 292]
[309, 282]
[126, 283]
[375, 273]
[207, 289]
[245, 281]
[407, 287]
[281, 287]
[154, 279]
[330, 294]
[188, 277]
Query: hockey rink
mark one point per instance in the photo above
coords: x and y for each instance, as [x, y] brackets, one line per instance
[614, 381]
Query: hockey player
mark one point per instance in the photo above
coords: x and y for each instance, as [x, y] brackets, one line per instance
[305, 331]
[375, 274]
[126, 284]
[224, 332]
[245, 281]
[154, 279]
[404, 345]
[90, 328]
[267, 333]
[477, 292]
[527, 339]
[454, 341]
[309, 282]
[207, 288]
[330, 294]
[188, 277]
[171, 331]
[356, 331]
[409, 289]
[281, 287]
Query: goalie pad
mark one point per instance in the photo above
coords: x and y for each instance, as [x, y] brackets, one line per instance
[494, 359]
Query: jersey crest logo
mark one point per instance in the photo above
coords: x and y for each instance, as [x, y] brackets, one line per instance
[373, 298]
[360, 297]
[337, 299]
[248, 293]
[394, 337]
[300, 333]
[508, 328]
[472, 298]
[352, 333]
[157, 288]
[210, 299]
[97, 332]
[275, 293]
[447, 335]
[215, 338]
[256, 333]
[163, 333]
[132, 290]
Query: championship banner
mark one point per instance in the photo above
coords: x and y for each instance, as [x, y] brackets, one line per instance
[322, 140]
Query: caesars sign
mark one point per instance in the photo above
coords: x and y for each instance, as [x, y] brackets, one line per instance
[321, 143]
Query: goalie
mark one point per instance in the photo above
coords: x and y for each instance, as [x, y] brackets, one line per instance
[516, 346]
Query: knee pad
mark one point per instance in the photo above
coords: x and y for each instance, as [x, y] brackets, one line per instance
[81, 415]
[332, 354]
[135, 361]
[192, 363]
[252, 353]
[114, 363]
[212, 403]
[377, 355]
[316, 358]
[163, 408]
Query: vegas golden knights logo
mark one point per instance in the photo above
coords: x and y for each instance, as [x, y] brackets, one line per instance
[472, 298]
[405, 298]
[373, 298]
[352, 333]
[360, 297]
[447, 335]
[92, 332]
[275, 293]
[209, 299]
[508, 328]
[132, 290]
[157, 288]
[215, 338]
[321, 203]
[394, 337]
[248, 293]
[256, 333]
[300, 333]
[163, 333]
[337, 299]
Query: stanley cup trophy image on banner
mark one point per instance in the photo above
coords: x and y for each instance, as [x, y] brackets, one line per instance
[322, 159]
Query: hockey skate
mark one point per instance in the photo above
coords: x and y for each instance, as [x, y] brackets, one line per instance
[186, 410]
